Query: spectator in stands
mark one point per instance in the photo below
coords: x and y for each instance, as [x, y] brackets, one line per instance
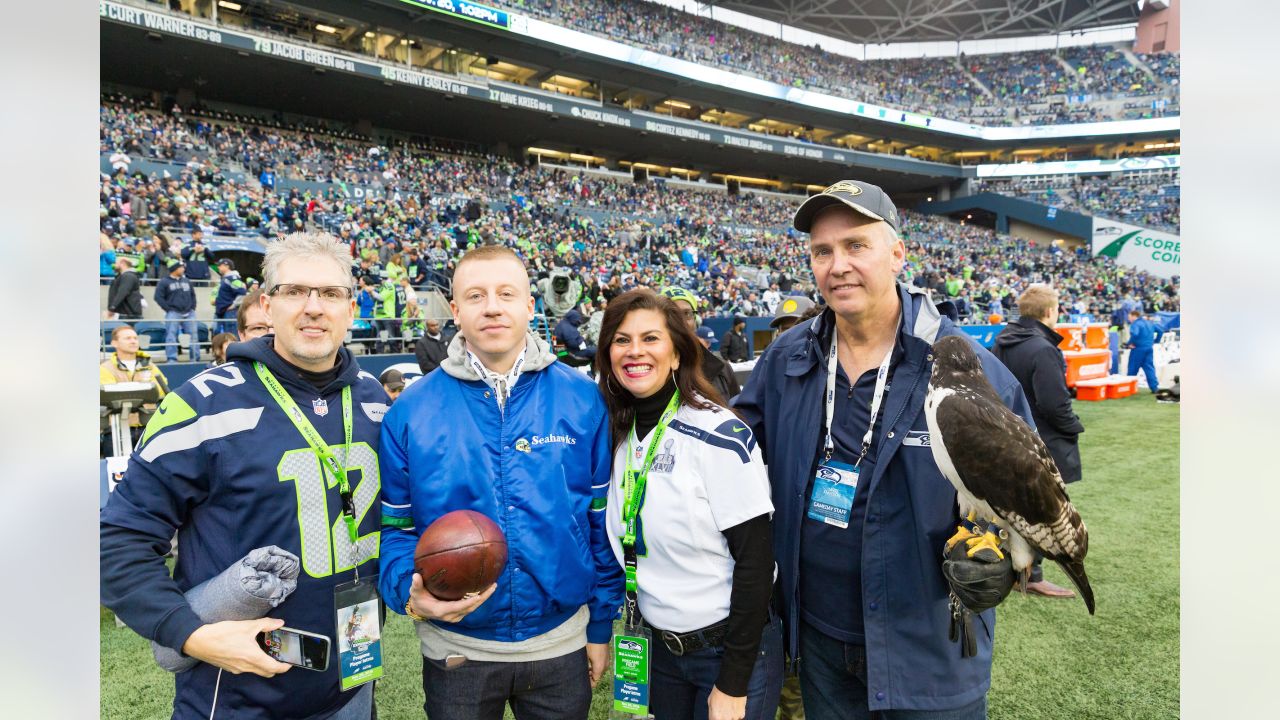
[194, 257]
[393, 382]
[124, 296]
[734, 343]
[790, 311]
[129, 364]
[384, 313]
[881, 643]
[1143, 335]
[106, 256]
[231, 288]
[431, 348]
[568, 336]
[219, 347]
[365, 297]
[175, 296]
[252, 321]
[714, 368]
[1029, 347]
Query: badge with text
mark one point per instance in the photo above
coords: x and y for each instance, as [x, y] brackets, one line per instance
[359, 632]
[630, 670]
[834, 485]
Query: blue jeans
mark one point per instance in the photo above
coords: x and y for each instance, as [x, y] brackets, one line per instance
[681, 684]
[553, 689]
[226, 322]
[833, 683]
[174, 323]
[359, 707]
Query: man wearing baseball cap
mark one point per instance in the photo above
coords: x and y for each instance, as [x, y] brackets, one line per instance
[714, 369]
[838, 408]
[790, 311]
[229, 289]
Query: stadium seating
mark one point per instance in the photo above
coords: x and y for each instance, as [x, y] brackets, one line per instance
[979, 88]
[729, 249]
[948, 87]
[1150, 198]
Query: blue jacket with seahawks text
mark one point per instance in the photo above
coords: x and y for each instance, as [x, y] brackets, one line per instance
[539, 467]
[911, 507]
[221, 464]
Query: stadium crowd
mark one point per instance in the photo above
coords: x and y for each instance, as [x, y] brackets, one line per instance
[1148, 198]
[426, 208]
[991, 89]
[965, 87]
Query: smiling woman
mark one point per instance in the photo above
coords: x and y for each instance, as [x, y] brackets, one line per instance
[693, 493]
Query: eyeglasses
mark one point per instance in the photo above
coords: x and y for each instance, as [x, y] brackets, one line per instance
[331, 294]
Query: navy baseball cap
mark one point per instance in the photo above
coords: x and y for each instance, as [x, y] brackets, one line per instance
[706, 333]
[863, 198]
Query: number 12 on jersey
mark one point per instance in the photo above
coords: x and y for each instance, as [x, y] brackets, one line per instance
[326, 545]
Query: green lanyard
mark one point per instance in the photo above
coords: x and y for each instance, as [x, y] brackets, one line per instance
[633, 482]
[327, 459]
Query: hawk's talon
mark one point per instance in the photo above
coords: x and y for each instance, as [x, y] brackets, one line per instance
[963, 534]
[985, 547]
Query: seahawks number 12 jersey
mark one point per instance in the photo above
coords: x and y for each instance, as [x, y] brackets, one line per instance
[222, 462]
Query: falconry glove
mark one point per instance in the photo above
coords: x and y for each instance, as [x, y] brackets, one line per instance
[978, 584]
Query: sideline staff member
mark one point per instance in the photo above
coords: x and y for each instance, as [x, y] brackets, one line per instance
[1029, 348]
[841, 397]
[226, 466]
[701, 540]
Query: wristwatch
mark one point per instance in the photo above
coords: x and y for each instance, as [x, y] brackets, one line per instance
[408, 610]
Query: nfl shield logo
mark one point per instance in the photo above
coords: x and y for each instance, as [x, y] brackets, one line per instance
[320, 407]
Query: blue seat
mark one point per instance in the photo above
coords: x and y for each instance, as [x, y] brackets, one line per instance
[153, 329]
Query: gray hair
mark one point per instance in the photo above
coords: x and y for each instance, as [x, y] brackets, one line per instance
[303, 245]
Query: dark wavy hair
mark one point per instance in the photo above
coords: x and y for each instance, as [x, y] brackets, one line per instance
[695, 391]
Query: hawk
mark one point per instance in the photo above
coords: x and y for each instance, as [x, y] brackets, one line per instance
[1002, 471]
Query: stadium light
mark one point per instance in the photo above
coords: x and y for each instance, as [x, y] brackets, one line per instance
[370, 34]
[327, 29]
[677, 103]
[229, 5]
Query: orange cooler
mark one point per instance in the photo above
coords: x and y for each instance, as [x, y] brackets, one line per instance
[1091, 389]
[1086, 365]
[1119, 386]
[1095, 336]
[1072, 336]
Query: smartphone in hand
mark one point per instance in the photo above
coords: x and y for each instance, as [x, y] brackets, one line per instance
[296, 647]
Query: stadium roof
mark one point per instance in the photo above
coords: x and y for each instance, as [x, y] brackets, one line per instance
[890, 21]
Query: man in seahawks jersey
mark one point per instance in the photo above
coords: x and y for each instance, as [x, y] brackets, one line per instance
[225, 463]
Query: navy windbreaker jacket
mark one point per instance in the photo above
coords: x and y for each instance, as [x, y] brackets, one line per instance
[911, 507]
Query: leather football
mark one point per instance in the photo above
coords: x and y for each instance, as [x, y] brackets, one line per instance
[461, 552]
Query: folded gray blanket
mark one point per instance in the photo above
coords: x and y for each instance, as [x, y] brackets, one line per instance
[247, 590]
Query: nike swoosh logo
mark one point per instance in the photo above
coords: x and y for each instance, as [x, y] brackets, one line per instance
[738, 429]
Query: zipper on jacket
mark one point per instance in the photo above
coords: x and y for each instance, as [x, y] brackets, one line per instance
[502, 480]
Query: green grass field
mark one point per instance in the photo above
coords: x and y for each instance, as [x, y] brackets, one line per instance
[1052, 659]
